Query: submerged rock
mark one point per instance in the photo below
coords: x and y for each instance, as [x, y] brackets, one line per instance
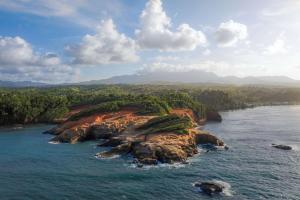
[283, 147]
[210, 187]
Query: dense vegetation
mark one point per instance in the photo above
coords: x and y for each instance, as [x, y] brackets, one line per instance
[168, 123]
[30, 105]
[146, 105]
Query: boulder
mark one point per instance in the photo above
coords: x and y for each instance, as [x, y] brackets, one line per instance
[151, 153]
[144, 150]
[207, 138]
[112, 142]
[123, 148]
[139, 165]
[213, 116]
[54, 131]
[210, 187]
[147, 161]
[73, 136]
[171, 154]
[106, 130]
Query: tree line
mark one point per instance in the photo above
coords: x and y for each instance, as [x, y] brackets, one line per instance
[33, 105]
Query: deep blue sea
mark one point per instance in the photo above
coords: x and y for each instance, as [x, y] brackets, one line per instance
[31, 168]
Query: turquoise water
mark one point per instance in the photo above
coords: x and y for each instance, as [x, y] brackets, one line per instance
[31, 168]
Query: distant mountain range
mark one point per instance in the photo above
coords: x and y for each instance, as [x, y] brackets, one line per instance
[18, 84]
[192, 77]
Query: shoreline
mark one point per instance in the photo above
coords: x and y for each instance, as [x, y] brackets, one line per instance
[9, 126]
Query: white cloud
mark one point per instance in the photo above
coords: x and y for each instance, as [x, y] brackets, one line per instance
[220, 68]
[105, 47]
[155, 31]
[43, 7]
[18, 61]
[15, 51]
[281, 8]
[81, 12]
[274, 12]
[166, 58]
[207, 52]
[208, 65]
[230, 33]
[278, 46]
[50, 74]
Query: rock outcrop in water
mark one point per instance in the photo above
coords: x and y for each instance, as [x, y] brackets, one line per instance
[280, 146]
[166, 147]
[213, 116]
[150, 139]
[210, 188]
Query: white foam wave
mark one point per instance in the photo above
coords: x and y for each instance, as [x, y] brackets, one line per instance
[159, 165]
[295, 147]
[227, 187]
[206, 147]
[53, 142]
[107, 158]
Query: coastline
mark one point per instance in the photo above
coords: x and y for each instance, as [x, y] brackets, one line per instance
[74, 165]
[250, 106]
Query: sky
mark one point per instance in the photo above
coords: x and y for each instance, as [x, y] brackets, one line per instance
[56, 41]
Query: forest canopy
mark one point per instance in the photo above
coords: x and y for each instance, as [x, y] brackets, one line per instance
[32, 105]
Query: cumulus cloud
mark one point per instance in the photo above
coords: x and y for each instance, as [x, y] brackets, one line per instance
[278, 46]
[155, 32]
[231, 32]
[15, 51]
[105, 47]
[18, 61]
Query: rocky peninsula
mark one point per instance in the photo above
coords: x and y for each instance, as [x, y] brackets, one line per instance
[150, 139]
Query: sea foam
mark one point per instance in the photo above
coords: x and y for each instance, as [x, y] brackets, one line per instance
[53, 142]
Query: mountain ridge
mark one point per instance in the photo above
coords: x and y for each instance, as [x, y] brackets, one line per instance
[189, 77]
[194, 77]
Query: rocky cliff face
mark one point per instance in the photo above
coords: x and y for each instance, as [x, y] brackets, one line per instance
[121, 132]
[98, 126]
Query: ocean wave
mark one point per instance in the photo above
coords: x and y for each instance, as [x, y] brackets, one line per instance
[227, 187]
[108, 158]
[53, 142]
[210, 147]
[159, 165]
[295, 147]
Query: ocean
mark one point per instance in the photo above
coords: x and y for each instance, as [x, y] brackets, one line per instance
[32, 168]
